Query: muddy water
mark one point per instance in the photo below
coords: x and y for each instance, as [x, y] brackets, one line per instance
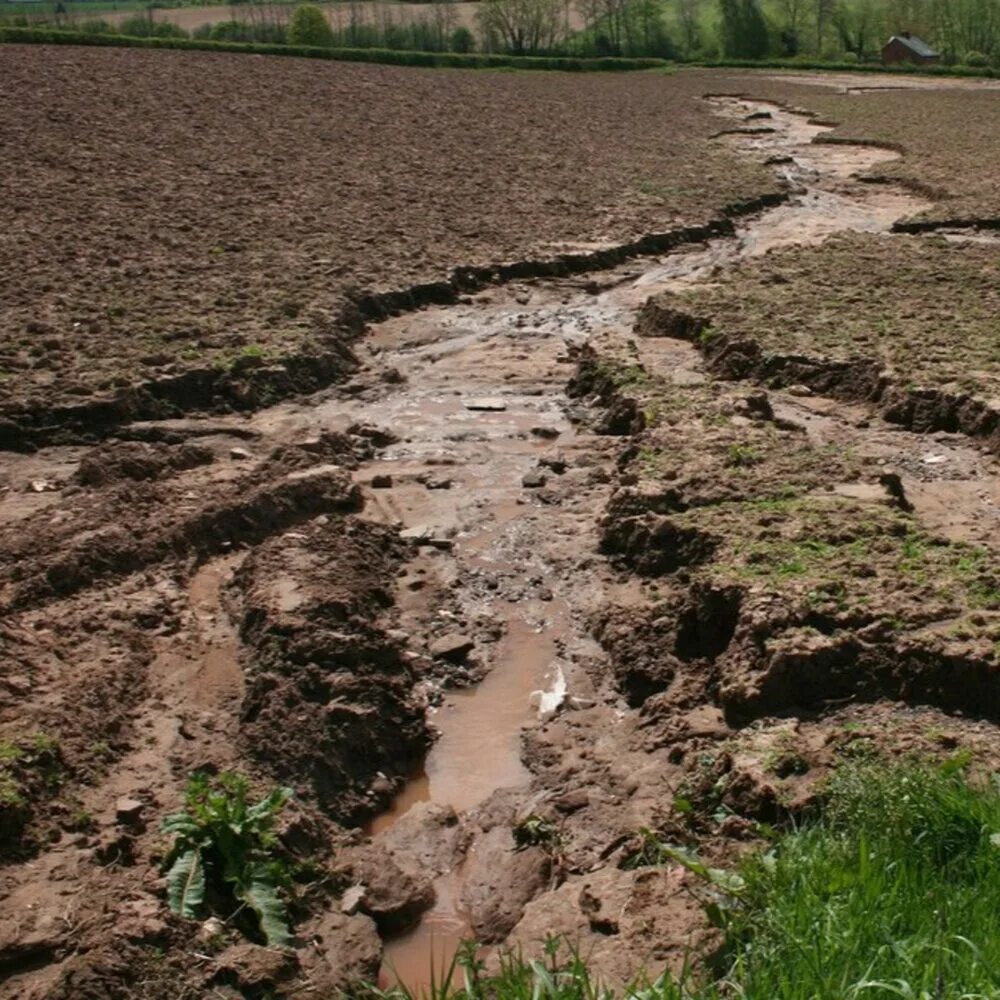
[479, 378]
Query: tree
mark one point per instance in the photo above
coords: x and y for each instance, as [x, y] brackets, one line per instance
[744, 30]
[523, 27]
[309, 27]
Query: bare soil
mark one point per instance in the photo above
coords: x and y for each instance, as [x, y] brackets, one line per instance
[225, 248]
[920, 310]
[534, 556]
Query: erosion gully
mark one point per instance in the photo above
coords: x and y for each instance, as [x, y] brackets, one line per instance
[484, 407]
[499, 486]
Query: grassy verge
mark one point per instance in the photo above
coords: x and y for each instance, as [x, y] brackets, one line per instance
[893, 892]
[455, 60]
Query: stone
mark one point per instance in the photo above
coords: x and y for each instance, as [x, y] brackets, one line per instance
[571, 801]
[239, 454]
[342, 951]
[533, 480]
[556, 462]
[382, 481]
[489, 403]
[128, 811]
[546, 433]
[453, 646]
[351, 900]
[210, 931]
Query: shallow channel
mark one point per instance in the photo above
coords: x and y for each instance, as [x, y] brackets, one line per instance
[483, 401]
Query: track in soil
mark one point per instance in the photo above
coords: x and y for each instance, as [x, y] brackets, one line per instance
[497, 485]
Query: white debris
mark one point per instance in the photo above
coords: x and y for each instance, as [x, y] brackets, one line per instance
[549, 702]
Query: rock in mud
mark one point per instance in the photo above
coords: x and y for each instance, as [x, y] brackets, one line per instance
[486, 403]
[429, 837]
[453, 647]
[128, 811]
[393, 897]
[342, 952]
[533, 480]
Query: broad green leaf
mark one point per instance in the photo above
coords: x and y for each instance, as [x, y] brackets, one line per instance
[186, 884]
[727, 881]
[260, 892]
[182, 824]
[270, 805]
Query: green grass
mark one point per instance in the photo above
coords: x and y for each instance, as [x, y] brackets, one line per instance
[893, 892]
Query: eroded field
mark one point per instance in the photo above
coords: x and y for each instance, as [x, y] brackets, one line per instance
[536, 574]
[216, 237]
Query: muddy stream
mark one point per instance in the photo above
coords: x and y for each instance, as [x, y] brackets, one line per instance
[484, 407]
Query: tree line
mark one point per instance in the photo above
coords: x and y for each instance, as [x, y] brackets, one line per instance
[963, 31]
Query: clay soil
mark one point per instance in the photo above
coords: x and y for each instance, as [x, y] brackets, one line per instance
[690, 578]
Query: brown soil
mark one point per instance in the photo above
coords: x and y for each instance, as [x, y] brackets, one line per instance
[218, 244]
[907, 324]
[529, 561]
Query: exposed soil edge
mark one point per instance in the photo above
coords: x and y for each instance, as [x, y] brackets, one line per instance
[856, 661]
[922, 410]
[846, 140]
[930, 225]
[251, 384]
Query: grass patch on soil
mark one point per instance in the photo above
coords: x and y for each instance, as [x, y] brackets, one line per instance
[892, 891]
[923, 308]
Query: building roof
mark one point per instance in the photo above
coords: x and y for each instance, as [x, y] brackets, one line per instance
[916, 45]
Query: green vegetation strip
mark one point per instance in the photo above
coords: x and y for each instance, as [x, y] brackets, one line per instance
[453, 60]
[846, 67]
[893, 891]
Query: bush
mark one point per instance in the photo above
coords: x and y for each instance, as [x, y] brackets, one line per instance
[978, 60]
[243, 31]
[462, 40]
[310, 27]
[95, 26]
[226, 850]
[850, 57]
